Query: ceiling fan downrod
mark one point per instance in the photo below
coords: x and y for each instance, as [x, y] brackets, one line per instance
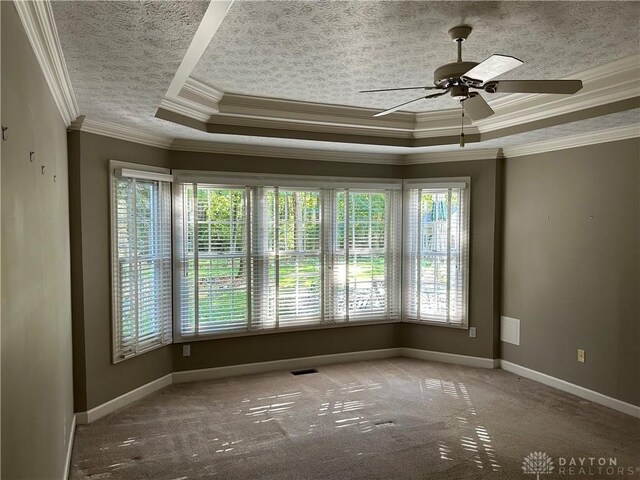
[462, 129]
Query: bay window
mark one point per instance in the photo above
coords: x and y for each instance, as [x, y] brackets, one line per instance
[258, 253]
[278, 252]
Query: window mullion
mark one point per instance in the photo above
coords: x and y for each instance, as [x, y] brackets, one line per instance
[388, 261]
[276, 200]
[323, 215]
[419, 259]
[135, 264]
[196, 279]
[346, 253]
[248, 237]
[448, 256]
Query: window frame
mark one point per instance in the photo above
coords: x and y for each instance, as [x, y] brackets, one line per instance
[119, 169]
[284, 182]
[426, 183]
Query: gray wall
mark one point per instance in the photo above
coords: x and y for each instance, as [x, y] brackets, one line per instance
[96, 379]
[572, 265]
[484, 263]
[282, 345]
[37, 399]
[552, 320]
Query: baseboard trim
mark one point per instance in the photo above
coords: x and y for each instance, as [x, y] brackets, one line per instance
[466, 360]
[287, 364]
[111, 406]
[67, 462]
[572, 388]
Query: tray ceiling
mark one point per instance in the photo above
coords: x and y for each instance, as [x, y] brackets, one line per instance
[327, 51]
[122, 56]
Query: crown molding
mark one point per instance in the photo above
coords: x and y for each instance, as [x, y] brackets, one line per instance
[135, 135]
[295, 110]
[39, 24]
[196, 100]
[605, 84]
[114, 130]
[461, 155]
[210, 95]
[444, 123]
[285, 152]
[574, 141]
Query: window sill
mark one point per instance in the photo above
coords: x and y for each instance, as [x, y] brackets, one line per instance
[116, 360]
[435, 323]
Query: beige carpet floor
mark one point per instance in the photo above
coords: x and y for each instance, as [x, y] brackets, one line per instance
[388, 419]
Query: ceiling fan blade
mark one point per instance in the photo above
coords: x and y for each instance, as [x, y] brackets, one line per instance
[398, 107]
[491, 67]
[534, 86]
[476, 107]
[394, 89]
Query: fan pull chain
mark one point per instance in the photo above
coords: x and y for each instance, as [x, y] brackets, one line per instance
[462, 129]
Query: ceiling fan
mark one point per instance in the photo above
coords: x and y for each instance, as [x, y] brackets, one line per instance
[460, 77]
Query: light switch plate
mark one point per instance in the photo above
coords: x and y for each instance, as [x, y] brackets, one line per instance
[472, 332]
[186, 350]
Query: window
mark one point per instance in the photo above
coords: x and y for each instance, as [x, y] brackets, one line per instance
[141, 261]
[437, 252]
[366, 260]
[282, 252]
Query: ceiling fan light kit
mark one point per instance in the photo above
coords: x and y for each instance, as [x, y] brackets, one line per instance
[457, 78]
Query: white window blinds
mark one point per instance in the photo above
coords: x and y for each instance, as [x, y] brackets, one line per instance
[141, 263]
[437, 252]
[365, 259]
[276, 257]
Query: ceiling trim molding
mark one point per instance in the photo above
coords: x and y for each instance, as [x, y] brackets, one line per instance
[196, 100]
[285, 152]
[132, 134]
[121, 132]
[211, 21]
[604, 84]
[452, 156]
[574, 141]
[39, 25]
[187, 108]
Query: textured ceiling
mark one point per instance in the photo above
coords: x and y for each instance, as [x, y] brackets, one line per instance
[122, 56]
[327, 51]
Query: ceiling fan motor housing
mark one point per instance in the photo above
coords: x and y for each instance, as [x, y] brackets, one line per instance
[449, 75]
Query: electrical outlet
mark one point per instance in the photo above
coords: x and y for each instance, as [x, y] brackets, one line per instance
[186, 350]
[472, 332]
[581, 355]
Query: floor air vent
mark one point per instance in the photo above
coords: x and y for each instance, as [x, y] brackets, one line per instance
[304, 371]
